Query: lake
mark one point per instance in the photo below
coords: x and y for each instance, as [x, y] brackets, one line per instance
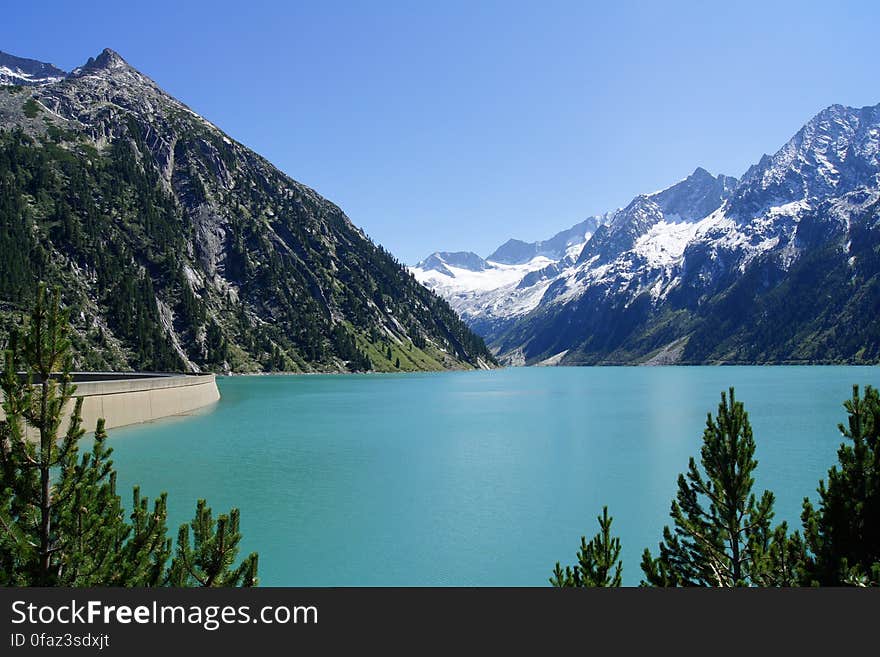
[470, 478]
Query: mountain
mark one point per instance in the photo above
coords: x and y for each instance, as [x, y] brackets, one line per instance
[564, 243]
[178, 248]
[681, 204]
[519, 275]
[832, 154]
[27, 72]
[440, 261]
[780, 266]
[485, 296]
[489, 293]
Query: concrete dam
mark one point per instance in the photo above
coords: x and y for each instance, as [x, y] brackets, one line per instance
[124, 398]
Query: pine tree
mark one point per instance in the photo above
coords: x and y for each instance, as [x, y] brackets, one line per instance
[34, 404]
[598, 561]
[722, 532]
[843, 533]
[96, 547]
[61, 521]
[209, 561]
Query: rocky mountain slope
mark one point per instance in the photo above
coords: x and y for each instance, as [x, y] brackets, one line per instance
[780, 266]
[178, 248]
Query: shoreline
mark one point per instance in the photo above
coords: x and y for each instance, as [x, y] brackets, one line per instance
[552, 367]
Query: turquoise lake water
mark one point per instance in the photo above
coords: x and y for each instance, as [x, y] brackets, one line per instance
[470, 478]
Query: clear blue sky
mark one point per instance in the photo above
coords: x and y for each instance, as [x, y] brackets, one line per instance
[455, 125]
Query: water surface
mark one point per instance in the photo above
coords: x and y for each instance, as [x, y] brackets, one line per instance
[470, 478]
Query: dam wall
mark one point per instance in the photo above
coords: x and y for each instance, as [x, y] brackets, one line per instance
[125, 398]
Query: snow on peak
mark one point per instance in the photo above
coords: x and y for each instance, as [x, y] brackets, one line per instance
[696, 196]
[833, 153]
[441, 260]
[450, 274]
[564, 244]
[491, 292]
[687, 239]
[27, 72]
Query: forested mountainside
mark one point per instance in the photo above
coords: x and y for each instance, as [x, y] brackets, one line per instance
[177, 248]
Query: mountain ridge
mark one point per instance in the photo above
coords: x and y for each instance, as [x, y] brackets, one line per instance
[121, 192]
[690, 274]
[514, 285]
[27, 72]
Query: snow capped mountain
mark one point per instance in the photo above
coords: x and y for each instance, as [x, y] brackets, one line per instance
[519, 276]
[461, 260]
[834, 153]
[696, 272]
[566, 243]
[481, 291]
[684, 202]
[27, 72]
[694, 197]
[511, 281]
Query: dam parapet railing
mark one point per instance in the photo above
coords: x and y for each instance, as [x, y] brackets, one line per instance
[124, 398]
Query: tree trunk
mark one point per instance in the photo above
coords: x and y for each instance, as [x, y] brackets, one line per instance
[46, 441]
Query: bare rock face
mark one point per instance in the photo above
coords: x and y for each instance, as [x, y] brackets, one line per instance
[210, 240]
